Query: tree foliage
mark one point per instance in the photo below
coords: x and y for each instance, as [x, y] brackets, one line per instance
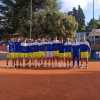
[93, 24]
[46, 18]
[80, 18]
[70, 26]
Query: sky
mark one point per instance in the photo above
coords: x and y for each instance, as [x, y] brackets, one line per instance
[87, 6]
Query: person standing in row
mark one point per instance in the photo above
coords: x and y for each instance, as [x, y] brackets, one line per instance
[76, 53]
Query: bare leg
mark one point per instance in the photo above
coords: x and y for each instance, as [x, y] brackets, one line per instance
[7, 62]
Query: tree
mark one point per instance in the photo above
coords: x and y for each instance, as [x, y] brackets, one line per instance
[93, 24]
[70, 26]
[80, 18]
[18, 12]
[8, 13]
[2, 17]
[47, 19]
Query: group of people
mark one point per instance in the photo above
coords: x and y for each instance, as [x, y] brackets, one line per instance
[47, 52]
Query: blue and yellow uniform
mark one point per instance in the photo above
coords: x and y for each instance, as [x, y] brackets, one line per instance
[84, 50]
[56, 46]
[76, 52]
[68, 50]
[36, 50]
[11, 48]
[49, 49]
[61, 50]
[23, 50]
[42, 49]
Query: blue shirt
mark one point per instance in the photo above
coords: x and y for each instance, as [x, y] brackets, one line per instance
[76, 49]
[84, 47]
[49, 46]
[35, 47]
[11, 46]
[56, 45]
[67, 47]
[61, 48]
[17, 46]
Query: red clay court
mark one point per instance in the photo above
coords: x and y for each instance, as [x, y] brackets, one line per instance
[74, 84]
